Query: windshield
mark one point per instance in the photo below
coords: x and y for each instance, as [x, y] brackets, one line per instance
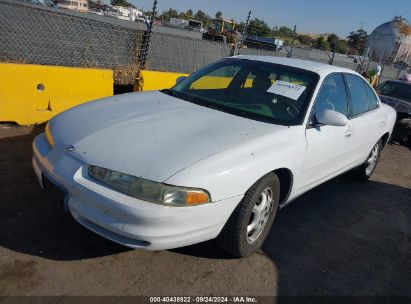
[398, 90]
[257, 90]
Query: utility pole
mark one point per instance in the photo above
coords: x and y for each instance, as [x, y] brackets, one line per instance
[244, 33]
[290, 54]
[334, 50]
[362, 24]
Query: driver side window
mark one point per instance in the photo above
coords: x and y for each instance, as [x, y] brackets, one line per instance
[333, 95]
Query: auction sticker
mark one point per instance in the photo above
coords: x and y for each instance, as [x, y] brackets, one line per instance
[287, 89]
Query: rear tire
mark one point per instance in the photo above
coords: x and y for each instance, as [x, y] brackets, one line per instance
[365, 171]
[249, 224]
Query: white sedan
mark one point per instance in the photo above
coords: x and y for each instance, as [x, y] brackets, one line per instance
[215, 156]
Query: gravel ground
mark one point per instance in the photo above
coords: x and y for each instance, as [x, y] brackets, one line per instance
[342, 238]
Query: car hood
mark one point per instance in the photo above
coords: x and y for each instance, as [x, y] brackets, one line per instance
[151, 134]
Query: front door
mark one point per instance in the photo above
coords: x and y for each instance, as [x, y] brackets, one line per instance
[328, 147]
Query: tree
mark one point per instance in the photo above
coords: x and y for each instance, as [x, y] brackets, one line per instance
[203, 17]
[283, 31]
[358, 40]
[167, 15]
[259, 27]
[187, 15]
[332, 39]
[218, 15]
[306, 40]
[342, 46]
[322, 44]
[124, 3]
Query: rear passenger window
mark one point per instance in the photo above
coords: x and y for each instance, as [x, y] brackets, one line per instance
[372, 98]
[360, 102]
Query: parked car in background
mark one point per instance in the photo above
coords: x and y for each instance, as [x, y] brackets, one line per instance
[397, 94]
[215, 156]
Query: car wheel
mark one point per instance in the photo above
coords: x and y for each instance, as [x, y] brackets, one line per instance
[365, 171]
[249, 224]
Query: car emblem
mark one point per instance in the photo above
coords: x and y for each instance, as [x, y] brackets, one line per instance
[70, 148]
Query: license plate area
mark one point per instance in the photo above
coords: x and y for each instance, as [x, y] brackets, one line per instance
[55, 192]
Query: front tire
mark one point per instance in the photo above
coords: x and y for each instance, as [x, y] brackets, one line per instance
[248, 226]
[365, 171]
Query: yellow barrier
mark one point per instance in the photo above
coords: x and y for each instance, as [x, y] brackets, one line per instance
[154, 80]
[32, 94]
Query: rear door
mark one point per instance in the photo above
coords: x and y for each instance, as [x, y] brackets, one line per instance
[364, 115]
[328, 147]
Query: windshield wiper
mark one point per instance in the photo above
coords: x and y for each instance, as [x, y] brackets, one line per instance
[169, 92]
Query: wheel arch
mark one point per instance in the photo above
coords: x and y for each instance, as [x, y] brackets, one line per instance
[385, 139]
[286, 183]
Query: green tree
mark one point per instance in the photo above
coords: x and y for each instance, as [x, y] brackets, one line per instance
[283, 31]
[306, 40]
[322, 44]
[167, 15]
[240, 26]
[203, 17]
[259, 27]
[218, 15]
[342, 46]
[332, 39]
[124, 3]
[187, 15]
[358, 40]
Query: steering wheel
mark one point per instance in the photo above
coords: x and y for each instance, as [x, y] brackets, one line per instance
[289, 108]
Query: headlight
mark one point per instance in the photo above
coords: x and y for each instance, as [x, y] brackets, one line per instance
[49, 137]
[147, 190]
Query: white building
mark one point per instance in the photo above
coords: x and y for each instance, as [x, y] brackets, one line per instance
[74, 5]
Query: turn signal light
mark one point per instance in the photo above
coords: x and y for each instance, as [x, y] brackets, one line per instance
[194, 198]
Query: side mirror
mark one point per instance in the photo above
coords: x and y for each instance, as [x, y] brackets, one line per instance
[181, 78]
[331, 118]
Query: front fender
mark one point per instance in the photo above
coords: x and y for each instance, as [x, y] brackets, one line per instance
[232, 172]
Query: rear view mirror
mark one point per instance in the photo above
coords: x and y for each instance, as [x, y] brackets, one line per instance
[181, 78]
[331, 118]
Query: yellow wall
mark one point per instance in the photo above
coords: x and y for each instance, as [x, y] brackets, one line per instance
[64, 87]
[154, 80]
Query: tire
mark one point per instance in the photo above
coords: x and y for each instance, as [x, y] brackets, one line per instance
[260, 203]
[365, 171]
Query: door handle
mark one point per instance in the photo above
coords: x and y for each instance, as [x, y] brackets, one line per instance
[348, 134]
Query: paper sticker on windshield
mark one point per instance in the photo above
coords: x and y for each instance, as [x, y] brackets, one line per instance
[287, 89]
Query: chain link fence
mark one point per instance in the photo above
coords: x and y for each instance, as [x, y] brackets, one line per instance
[180, 54]
[35, 34]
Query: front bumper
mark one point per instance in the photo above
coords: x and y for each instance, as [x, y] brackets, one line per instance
[123, 219]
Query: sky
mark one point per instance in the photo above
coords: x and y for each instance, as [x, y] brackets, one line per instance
[311, 16]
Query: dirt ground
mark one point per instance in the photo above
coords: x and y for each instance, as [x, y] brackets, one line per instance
[342, 238]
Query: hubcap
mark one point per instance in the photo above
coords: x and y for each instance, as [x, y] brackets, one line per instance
[372, 160]
[260, 215]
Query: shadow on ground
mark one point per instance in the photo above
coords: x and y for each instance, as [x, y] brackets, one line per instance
[342, 238]
[33, 223]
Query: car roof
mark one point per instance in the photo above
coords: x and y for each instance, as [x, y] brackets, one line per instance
[309, 65]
